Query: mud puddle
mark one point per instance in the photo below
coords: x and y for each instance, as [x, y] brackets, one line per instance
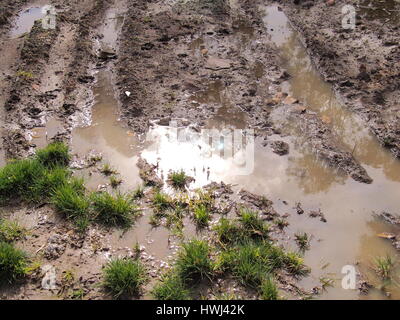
[26, 19]
[350, 234]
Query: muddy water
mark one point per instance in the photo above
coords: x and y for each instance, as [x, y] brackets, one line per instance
[25, 21]
[349, 236]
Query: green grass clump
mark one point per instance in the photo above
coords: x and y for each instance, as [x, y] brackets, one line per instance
[55, 154]
[229, 232]
[115, 182]
[178, 179]
[71, 201]
[161, 201]
[124, 277]
[253, 224]
[295, 264]
[302, 240]
[268, 289]
[201, 215]
[116, 210]
[107, 170]
[384, 266]
[249, 263]
[18, 178]
[12, 263]
[194, 261]
[171, 287]
[35, 179]
[51, 179]
[248, 227]
[138, 193]
[10, 231]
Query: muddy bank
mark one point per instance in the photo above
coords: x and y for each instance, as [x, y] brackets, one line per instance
[361, 64]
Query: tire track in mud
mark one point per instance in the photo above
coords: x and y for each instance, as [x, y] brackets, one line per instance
[361, 64]
[51, 65]
[163, 75]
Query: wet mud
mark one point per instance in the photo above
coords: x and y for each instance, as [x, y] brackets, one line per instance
[120, 81]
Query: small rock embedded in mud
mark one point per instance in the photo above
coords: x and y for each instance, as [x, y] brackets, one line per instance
[216, 64]
[280, 147]
[56, 246]
[318, 214]
[298, 208]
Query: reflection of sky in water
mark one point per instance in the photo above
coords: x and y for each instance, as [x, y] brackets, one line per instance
[206, 156]
[25, 21]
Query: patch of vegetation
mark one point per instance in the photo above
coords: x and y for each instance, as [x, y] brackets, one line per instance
[201, 215]
[161, 201]
[194, 263]
[268, 289]
[251, 262]
[124, 277]
[302, 240]
[36, 178]
[281, 223]
[107, 170]
[71, 201]
[24, 74]
[295, 264]
[384, 266]
[248, 227]
[178, 179]
[12, 263]
[115, 181]
[54, 155]
[116, 210]
[11, 231]
[253, 224]
[171, 287]
[138, 193]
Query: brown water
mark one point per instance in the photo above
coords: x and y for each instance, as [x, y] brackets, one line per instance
[25, 20]
[348, 237]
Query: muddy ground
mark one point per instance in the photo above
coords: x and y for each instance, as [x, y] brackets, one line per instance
[174, 60]
[361, 64]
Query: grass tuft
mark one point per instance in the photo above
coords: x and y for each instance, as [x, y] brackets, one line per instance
[384, 266]
[71, 201]
[124, 277]
[201, 215]
[171, 287]
[107, 170]
[11, 231]
[268, 289]
[55, 154]
[12, 263]
[115, 182]
[178, 179]
[249, 263]
[161, 201]
[193, 263]
[114, 211]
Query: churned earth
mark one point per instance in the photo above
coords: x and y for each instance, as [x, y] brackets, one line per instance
[117, 79]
